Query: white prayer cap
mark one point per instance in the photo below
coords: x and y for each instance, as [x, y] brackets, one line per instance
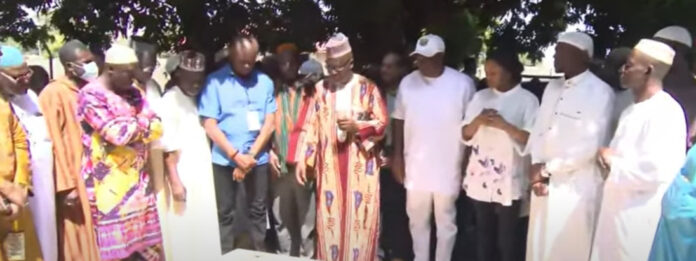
[120, 54]
[677, 34]
[657, 50]
[429, 45]
[580, 40]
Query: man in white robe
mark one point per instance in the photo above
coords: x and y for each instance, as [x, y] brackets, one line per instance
[189, 214]
[644, 157]
[571, 125]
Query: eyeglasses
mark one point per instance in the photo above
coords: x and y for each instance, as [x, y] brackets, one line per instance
[339, 68]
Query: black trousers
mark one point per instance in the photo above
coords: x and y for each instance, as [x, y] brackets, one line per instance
[497, 231]
[293, 205]
[395, 237]
[234, 199]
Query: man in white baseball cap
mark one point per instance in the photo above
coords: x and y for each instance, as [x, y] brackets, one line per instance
[430, 106]
[429, 46]
[571, 125]
[645, 153]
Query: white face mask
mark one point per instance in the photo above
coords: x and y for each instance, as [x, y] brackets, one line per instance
[91, 71]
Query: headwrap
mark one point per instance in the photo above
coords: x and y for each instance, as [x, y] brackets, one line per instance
[119, 54]
[286, 47]
[338, 46]
[186, 60]
[656, 50]
[580, 40]
[677, 34]
[11, 56]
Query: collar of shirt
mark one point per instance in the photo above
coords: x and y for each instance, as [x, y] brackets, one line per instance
[507, 93]
[231, 73]
[69, 83]
[576, 79]
[28, 103]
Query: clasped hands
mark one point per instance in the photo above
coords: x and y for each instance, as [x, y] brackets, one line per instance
[245, 163]
[491, 117]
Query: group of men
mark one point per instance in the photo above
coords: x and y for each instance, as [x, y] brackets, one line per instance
[115, 167]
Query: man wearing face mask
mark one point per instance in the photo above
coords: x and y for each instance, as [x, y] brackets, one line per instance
[17, 229]
[118, 126]
[26, 107]
[58, 101]
[187, 160]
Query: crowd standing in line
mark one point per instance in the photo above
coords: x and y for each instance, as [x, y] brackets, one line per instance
[104, 163]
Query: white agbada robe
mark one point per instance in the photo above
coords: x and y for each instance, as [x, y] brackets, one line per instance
[42, 204]
[191, 228]
[650, 150]
[571, 126]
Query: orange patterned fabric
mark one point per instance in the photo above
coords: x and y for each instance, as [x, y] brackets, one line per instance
[347, 172]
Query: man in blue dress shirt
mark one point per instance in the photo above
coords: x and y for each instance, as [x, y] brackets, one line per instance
[237, 108]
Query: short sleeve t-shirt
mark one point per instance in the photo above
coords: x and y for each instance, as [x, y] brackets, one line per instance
[432, 111]
[230, 100]
[497, 166]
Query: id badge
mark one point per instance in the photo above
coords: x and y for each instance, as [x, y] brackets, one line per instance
[253, 120]
[14, 246]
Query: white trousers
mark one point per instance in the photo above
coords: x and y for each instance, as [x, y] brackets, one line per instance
[420, 207]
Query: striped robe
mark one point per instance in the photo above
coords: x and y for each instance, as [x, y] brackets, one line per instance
[347, 172]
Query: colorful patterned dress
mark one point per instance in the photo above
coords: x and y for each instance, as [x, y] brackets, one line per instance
[115, 140]
[347, 172]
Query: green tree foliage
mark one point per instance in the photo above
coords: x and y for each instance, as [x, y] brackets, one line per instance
[374, 26]
[16, 24]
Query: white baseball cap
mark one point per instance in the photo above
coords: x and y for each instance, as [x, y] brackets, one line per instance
[429, 45]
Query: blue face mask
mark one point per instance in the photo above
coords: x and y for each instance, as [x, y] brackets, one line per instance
[91, 71]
